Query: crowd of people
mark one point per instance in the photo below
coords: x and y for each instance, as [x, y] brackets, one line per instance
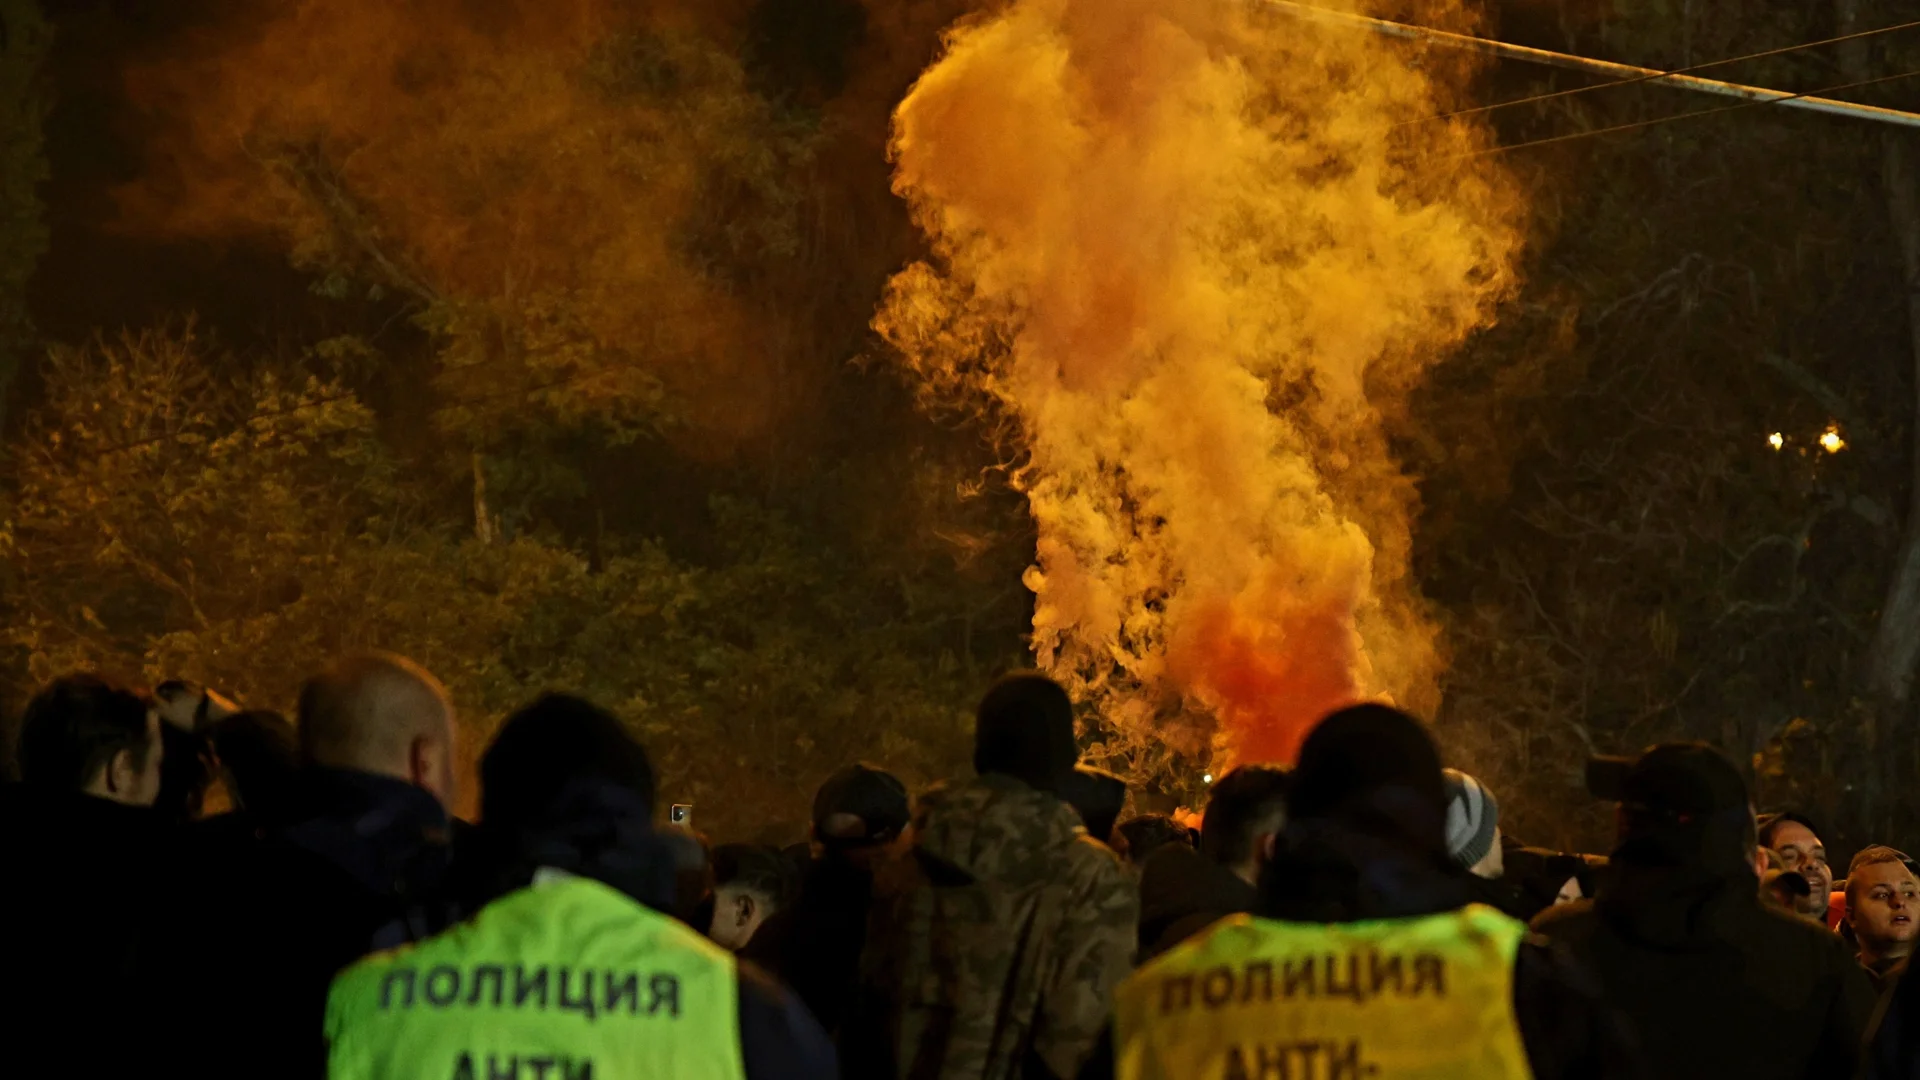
[195, 889]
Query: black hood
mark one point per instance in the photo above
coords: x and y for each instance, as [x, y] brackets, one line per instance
[593, 828]
[1331, 870]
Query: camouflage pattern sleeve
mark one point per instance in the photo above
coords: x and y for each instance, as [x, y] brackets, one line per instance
[1098, 935]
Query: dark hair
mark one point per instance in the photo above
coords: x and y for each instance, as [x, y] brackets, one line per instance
[758, 867]
[75, 726]
[186, 772]
[1770, 824]
[549, 748]
[1245, 803]
[261, 756]
[1024, 729]
[1098, 796]
[1150, 832]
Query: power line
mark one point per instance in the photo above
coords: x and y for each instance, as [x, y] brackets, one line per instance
[1599, 67]
[1652, 76]
[1689, 115]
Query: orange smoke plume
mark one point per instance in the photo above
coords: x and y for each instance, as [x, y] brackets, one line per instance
[1195, 251]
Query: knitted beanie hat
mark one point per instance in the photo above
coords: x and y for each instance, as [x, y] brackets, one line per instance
[1473, 816]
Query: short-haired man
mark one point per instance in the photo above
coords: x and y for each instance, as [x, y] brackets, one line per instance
[1883, 896]
[1798, 842]
[355, 863]
[571, 969]
[84, 734]
[1183, 891]
[751, 883]
[78, 855]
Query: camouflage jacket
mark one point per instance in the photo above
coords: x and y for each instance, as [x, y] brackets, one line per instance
[998, 940]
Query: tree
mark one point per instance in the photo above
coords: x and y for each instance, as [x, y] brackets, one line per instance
[24, 39]
[1622, 554]
[166, 521]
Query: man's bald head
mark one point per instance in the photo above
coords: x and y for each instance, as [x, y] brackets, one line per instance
[383, 714]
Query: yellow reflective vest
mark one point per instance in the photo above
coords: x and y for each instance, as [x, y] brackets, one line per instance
[568, 979]
[1427, 998]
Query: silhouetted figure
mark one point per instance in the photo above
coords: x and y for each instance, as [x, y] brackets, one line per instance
[1714, 981]
[859, 814]
[996, 942]
[78, 848]
[574, 969]
[1183, 891]
[1361, 875]
[353, 860]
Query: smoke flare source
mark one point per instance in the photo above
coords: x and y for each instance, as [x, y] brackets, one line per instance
[1198, 254]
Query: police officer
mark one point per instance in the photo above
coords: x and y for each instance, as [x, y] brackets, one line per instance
[1367, 959]
[568, 969]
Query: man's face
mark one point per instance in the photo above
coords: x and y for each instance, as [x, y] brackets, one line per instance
[1882, 899]
[138, 784]
[1802, 851]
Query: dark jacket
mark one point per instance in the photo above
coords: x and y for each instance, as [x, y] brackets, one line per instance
[1893, 1046]
[1714, 982]
[814, 944]
[258, 921]
[1322, 872]
[76, 883]
[1182, 892]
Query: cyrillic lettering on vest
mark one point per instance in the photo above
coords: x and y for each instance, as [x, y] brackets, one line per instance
[480, 975]
[386, 988]
[1430, 970]
[1176, 994]
[627, 988]
[665, 990]
[524, 987]
[1305, 1060]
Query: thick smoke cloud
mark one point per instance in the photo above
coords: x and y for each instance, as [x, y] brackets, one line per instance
[583, 193]
[1196, 251]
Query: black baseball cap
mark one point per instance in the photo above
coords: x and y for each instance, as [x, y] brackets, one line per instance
[1679, 782]
[860, 804]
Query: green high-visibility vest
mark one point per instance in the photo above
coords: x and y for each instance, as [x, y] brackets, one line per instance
[568, 979]
[1427, 998]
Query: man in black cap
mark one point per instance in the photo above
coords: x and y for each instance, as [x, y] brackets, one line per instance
[1366, 955]
[1716, 982]
[815, 944]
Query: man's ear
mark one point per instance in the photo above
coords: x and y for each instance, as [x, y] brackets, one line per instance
[121, 775]
[1268, 845]
[743, 908]
[427, 766]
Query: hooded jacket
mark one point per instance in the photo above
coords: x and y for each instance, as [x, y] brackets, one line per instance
[600, 831]
[1334, 871]
[1182, 892]
[1714, 982]
[994, 946]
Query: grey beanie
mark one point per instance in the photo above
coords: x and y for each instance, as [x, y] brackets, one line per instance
[1473, 817]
